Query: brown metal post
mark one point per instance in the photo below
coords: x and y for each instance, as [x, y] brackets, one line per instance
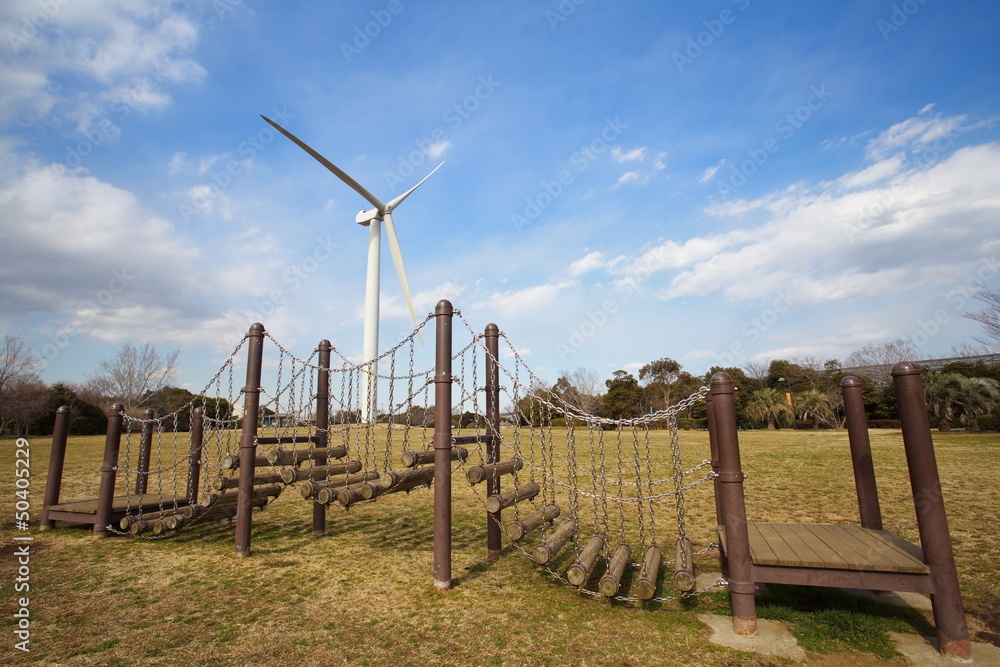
[57, 457]
[932, 522]
[861, 453]
[713, 447]
[741, 585]
[493, 532]
[194, 458]
[442, 447]
[106, 493]
[322, 424]
[248, 444]
[145, 451]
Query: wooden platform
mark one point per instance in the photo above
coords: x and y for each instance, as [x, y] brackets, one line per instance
[85, 511]
[822, 555]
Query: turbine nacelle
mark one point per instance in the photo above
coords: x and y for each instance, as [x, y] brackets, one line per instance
[364, 218]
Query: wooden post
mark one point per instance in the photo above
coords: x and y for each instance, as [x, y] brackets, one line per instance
[145, 452]
[322, 424]
[494, 543]
[194, 460]
[861, 453]
[106, 494]
[442, 446]
[57, 457]
[248, 445]
[741, 585]
[932, 522]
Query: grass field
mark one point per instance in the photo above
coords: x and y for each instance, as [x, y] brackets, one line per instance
[364, 596]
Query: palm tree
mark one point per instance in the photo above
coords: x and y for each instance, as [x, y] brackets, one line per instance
[977, 396]
[816, 405]
[942, 391]
[769, 405]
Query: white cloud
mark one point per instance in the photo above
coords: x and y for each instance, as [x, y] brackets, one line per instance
[913, 133]
[831, 246]
[872, 174]
[627, 177]
[709, 174]
[589, 262]
[122, 54]
[438, 149]
[530, 298]
[628, 156]
[661, 160]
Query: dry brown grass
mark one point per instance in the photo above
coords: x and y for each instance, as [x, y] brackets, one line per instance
[363, 594]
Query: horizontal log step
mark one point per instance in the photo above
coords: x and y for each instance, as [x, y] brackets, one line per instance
[293, 457]
[414, 459]
[545, 551]
[415, 477]
[226, 483]
[290, 439]
[523, 526]
[478, 473]
[232, 462]
[507, 498]
[290, 475]
[473, 439]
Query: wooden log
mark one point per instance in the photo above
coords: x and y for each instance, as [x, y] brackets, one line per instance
[414, 477]
[414, 459]
[683, 578]
[645, 585]
[472, 439]
[293, 457]
[507, 498]
[612, 579]
[232, 462]
[229, 497]
[290, 476]
[348, 495]
[226, 483]
[175, 521]
[154, 526]
[312, 489]
[477, 474]
[331, 494]
[138, 527]
[522, 527]
[544, 552]
[159, 527]
[280, 439]
[579, 572]
[371, 490]
[191, 511]
[220, 512]
[127, 520]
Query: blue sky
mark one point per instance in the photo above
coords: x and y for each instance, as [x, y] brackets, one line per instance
[718, 182]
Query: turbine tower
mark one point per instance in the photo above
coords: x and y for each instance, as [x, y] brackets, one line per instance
[371, 218]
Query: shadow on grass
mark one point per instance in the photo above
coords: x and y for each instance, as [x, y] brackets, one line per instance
[827, 620]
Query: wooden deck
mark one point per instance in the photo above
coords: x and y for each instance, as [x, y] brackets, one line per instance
[831, 548]
[85, 511]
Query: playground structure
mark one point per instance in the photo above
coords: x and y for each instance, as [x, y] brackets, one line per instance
[584, 504]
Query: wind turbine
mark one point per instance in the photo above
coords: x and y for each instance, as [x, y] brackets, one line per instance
[371, 218]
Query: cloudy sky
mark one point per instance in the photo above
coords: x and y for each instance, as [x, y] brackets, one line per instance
[716, 181]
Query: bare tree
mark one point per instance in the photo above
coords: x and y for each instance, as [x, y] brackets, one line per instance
[16, 361]
[875, 360]
[22, 402]
[579, 388]
[132, 375]
[989, 317]
[758, 372]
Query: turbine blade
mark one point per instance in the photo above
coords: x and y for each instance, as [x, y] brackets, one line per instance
[340, 173]
[399, 200]
[397, 260]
